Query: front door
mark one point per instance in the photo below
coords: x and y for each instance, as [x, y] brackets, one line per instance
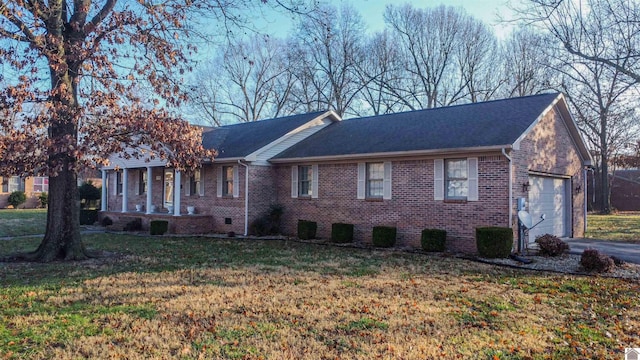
[168, 189]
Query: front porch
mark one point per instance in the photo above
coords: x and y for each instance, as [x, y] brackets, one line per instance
[185, 224]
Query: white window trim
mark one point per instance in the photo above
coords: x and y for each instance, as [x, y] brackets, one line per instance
[386, 181]
[439, 183]
[295, 190]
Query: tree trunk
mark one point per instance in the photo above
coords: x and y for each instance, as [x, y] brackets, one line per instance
[603, 199]
[62, 239]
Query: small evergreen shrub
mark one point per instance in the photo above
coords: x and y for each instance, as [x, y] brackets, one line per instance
[158, 227]
[494, 242]
[106, 221]
[593, 260]
[89, 217]
[341, 233]
[133, 225]
[44, 199]
[268, 223]
[17, 198]
[433, 240]
[384, 236]
[88, 194]
[551, 245]
[307, 229]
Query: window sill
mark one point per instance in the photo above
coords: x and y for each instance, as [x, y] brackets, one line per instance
[374, 199]
[455, 201]
[304, 197]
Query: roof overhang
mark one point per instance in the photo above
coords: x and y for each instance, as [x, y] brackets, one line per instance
[396, 154]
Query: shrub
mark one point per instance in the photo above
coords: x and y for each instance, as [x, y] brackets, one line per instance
[433, 240]
[158, 227]
[341, 233]
[133, 225]
[44, 199]
[384, 236]
[593, 260]
[268, 223]
[551, 245]
[307, 229]
[17, 198]
[88, 194]
[89, 217]
[106, 221]
[494, 242]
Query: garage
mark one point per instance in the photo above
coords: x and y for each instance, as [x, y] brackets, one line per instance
[548, 196]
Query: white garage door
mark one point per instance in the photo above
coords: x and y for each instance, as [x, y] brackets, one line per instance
[547, 196]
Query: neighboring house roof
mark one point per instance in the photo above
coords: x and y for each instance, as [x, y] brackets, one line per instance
[631, 175]
[492, 124]
[241, 140]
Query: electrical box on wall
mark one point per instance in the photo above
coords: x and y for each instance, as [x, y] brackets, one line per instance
[227, 221]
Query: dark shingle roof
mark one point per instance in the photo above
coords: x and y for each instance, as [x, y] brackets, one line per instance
[491, 123]
[240, 140]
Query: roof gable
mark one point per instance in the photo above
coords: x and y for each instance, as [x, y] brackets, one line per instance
[491, 124]
[239, 141]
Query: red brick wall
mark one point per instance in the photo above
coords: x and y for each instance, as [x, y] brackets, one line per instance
[411, 209]
[549, 149]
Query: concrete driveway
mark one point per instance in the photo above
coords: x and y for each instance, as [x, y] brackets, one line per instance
[625, 251]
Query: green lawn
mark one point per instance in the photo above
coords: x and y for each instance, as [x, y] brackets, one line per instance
[617, 227]
[22, 222]
[203, 298]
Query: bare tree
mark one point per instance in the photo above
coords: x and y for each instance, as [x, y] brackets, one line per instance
[247, 81]
[526, 63]
[331, 43]
[574, 23]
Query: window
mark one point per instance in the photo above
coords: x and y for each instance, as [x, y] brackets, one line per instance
[119, 182]
[304, 181]
[13, 184]
[142, 182]
[41, 184]
[456, 182]
[375, 180]
[227, 183]
[227, 180]
[194, 183]
[455, 179]
[305, 176]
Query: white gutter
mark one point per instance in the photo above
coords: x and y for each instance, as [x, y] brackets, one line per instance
[246, 197]
[510, 187]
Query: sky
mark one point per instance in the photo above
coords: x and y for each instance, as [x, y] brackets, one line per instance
[490, 11]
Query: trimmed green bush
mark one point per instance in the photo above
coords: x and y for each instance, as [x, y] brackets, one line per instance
[106, 221]
[341, 233]
[88, 194]
[384, 236]
[494, 242]
[89, 217]
[433, 240]
[44, 199]
[133, 225]
[307, 229]
[158, 227]
[17, 198]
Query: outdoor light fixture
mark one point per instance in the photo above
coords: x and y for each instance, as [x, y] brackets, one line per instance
[578, 188]
[525, 187]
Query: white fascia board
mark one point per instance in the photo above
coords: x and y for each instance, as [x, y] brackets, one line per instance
[395, 154]
[319, 122]
[119, 161]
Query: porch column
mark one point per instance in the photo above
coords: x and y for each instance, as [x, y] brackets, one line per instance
[176, 193]
[149, 182]
[125, 189]
[103, 197]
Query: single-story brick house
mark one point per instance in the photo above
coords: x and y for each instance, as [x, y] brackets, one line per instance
[32, 186]
[453, 168]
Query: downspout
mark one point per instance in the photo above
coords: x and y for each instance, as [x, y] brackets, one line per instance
[510, 187]
[246, 197]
